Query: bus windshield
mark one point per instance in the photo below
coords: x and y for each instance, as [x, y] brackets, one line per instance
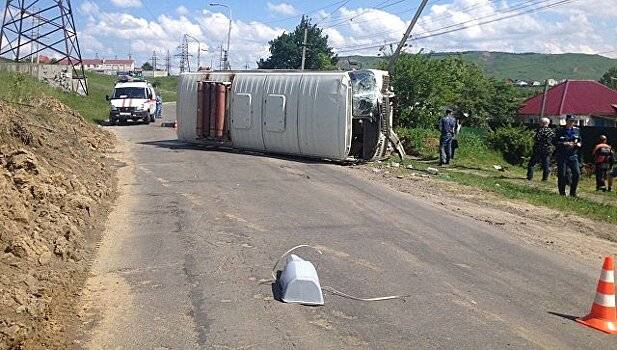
[366, 93]
[129, 92]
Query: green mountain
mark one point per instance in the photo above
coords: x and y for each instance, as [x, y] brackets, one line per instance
[522, 66]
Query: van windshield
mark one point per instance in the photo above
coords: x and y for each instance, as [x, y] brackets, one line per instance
[366, 93]
[129, 92]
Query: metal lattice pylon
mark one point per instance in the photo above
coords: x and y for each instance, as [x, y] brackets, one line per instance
[53, 22]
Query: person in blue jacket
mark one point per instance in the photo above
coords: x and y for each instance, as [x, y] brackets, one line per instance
[159, 106]
[568, 142]
[448, 127]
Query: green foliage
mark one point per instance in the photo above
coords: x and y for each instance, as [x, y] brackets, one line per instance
[286, 50]
[425, 86]
[147, 66]
[420, 142]
[513, 142]
[167, 87]
[610, 78]
[502, 105]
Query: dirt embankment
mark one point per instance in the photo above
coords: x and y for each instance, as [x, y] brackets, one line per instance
[56, 186]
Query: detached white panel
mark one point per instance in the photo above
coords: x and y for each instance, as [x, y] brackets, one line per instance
[299, 282]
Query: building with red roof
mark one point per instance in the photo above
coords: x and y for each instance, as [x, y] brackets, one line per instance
[593, 103]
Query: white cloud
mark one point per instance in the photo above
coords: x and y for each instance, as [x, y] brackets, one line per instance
[282, 9]
[563, 29]
[182, 10]
[127, 3]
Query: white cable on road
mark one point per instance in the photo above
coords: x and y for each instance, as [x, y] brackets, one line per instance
[332, 290]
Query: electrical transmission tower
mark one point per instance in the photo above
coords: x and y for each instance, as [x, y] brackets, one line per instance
[154, 60]
[184, 55]
[168, 63]
[30, 27]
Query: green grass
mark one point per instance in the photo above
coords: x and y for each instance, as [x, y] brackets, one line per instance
[94, 107]
[167, 87]
[473, 167]
[526, 66]
[542, 197]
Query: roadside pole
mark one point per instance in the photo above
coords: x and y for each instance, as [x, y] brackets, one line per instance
[304, 47]
[544, 98]
[400, 46]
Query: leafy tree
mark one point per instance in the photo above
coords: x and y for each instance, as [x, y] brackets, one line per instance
[147, 66]
[610, 78]
[286, 50]
[426, 85]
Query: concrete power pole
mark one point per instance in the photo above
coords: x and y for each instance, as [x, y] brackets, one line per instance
[304, 46]
[400, 46]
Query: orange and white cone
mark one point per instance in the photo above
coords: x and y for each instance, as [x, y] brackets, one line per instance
[603, 315]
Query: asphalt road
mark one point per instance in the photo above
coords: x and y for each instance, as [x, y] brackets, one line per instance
[196, 229]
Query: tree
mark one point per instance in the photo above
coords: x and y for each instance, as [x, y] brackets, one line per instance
[610, 78]
[286, 50]
[147, 66]
[425, 85]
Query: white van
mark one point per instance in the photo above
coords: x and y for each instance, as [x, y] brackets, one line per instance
[134, 100]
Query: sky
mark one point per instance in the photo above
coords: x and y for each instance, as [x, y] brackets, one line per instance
[114, 28]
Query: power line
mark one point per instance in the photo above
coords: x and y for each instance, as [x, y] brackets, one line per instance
[333, 11]
[380, 6]
[304, 13]
[512, 9]
[440, 31]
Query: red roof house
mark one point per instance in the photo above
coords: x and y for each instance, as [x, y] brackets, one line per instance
[591, 101]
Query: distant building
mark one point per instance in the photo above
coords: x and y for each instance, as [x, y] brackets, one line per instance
[105, 65]
[593, 103]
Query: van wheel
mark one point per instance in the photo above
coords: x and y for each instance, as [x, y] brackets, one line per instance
[152, 118]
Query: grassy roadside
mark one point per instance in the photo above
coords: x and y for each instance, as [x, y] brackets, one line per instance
[474, 167]
[167, 87]
[16, 88]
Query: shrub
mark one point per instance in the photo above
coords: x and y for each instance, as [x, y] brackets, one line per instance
[513, 142]
[420, 142]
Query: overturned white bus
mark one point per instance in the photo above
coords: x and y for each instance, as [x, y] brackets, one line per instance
[331, 115]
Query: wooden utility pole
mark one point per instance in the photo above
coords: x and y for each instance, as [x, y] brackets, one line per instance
[304, 46]
[544, 98]
[400, 46]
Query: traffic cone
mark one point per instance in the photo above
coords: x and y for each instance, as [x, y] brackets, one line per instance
[603, 315]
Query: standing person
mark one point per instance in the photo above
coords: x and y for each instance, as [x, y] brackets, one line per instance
[447, 126]
[455, 139]
[602, 159]
[159, 106]
[542, 148]
[568, 141]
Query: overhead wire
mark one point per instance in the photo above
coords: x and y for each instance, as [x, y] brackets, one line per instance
[440, 31]
[512, 9]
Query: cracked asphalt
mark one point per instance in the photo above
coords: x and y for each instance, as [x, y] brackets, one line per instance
[195, 230]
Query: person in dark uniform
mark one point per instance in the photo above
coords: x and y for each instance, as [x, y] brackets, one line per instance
[542, 148]
[568, 141]
[447, 126]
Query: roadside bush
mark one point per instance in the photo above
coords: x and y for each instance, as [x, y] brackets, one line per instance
[513, 142]
[420, 142]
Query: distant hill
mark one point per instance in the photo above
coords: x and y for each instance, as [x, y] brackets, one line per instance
[523, 66]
